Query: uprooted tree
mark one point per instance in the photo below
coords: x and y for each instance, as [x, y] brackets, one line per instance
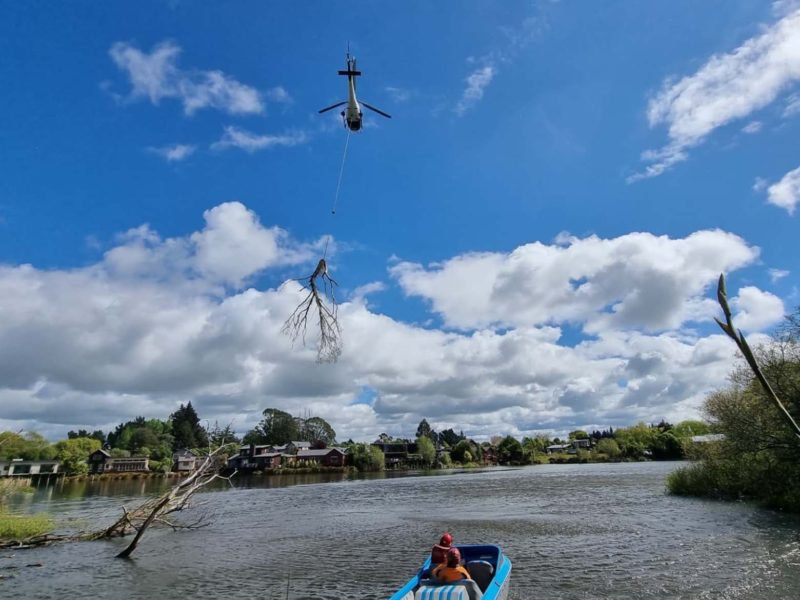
[319, 302]
[154, 511]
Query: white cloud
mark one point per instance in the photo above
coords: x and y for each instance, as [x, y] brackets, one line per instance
[174, 153]
[235, 137]
[785, 193]
[792, 106]
[399, 94]
[280, 95]
[633, 281]
[756, 309]
[477, 81]
[777, 274]
[726, 88]
[753, 127]
[159, 321]
[156, 76]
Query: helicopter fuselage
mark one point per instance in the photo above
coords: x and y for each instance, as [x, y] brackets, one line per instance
[352, 113]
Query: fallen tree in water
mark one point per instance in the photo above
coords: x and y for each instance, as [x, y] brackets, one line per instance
[136, 521]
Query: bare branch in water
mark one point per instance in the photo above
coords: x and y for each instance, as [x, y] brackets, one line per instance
[322, 304]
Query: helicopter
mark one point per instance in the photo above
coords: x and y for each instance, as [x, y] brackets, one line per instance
[352, 115]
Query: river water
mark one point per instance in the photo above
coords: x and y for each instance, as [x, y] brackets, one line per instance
[572, 531]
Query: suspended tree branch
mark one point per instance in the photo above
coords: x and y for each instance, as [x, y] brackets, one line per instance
[737, 336]
[319, 303]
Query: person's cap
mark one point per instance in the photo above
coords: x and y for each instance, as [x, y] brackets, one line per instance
[453, 555]
[446, 540]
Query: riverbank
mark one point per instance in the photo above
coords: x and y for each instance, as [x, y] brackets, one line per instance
[572, 531]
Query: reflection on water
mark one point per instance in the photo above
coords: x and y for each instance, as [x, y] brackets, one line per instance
[572, 531]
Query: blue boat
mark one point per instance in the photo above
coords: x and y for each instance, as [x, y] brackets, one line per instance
[490, 570]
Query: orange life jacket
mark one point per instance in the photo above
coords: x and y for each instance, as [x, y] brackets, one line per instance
[450, 574]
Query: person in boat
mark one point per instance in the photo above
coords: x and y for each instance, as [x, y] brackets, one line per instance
[439, 551]
[451, 570]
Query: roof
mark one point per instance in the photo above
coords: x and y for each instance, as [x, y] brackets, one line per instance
[313, 453]
[302, 444]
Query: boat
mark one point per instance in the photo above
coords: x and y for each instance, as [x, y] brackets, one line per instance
[490, 570]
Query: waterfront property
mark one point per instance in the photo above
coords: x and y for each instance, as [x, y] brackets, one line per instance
[326, 457]
[184, 461]
[100, 461]
[261, 457]
[25, 468]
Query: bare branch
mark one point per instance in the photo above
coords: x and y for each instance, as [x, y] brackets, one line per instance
[322, 304]
[737, 336]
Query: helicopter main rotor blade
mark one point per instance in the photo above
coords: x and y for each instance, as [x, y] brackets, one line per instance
[332, 107]
[373, 109]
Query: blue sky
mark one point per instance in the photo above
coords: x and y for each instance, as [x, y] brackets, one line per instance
[560, 184]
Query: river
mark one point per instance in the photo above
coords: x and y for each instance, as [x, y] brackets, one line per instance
[572, 531]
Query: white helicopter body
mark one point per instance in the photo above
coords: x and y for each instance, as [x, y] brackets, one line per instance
[352, 115]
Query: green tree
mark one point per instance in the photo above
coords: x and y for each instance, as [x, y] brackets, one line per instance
[187, 432]
[316, 430]
[637, 441]
[578, 434]
[426, 450]
[461, 452]
[219, 436]
[72, 454]
[450, 438]
[509, 451]
[28, 446]
[609, 447]
[689, 428]
[277, 427]
[366, 457]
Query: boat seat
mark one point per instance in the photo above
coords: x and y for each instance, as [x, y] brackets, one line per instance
[465, 589]
[481, 572]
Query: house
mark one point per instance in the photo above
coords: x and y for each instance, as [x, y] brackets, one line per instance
[266, 460]
[327, 457]
[395, 453]
[19, 467]
[100, 461]
[184, 461]
[557, 448]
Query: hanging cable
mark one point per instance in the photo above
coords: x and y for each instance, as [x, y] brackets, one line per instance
[338, 187]
[341, 171]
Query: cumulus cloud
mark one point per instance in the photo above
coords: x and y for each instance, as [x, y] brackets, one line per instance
[156, 76]
[174, 153]
[756, 309]
[236, 137]
[784, 193]
[726, 88]
[158, 321]
[634, 281]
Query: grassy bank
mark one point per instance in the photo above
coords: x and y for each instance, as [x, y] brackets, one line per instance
[20, 527]
[753, 477]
